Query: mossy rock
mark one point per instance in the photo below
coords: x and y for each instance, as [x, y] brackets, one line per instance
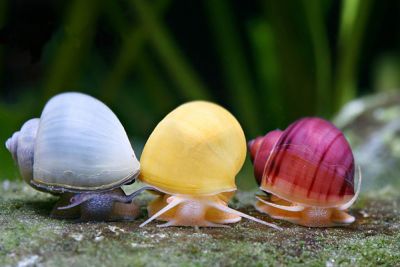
[372, 125]
[28, 237]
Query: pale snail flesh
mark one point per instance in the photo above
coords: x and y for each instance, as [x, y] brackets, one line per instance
[79, 149]
[308, 172]
[191, 159]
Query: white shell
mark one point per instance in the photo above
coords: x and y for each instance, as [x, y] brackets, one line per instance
[81, 146]
[21, 146]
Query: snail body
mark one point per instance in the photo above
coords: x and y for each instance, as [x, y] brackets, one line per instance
[191, 160]
[79, 150]
[307, 171]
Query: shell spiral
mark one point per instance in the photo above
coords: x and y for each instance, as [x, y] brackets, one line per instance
[21, 146]
[310, 163]
[197, 149]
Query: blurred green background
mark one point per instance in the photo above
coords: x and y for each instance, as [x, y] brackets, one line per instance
[269, 62]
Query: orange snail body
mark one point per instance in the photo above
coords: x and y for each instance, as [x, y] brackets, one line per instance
[308, 171]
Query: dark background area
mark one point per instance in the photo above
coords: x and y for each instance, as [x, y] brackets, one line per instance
[268, 62]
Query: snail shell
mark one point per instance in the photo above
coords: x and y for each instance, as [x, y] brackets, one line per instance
[310, 163]
[77, 145]
[192, 157]
[197, 149]
[21, 145]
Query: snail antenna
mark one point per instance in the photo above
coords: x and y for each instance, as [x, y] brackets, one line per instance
[77, 200]
[176, 201]
[241, 214]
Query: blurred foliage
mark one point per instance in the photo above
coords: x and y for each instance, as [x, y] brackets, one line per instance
[269, 62]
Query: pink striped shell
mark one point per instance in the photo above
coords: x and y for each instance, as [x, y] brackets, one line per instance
[310, 163]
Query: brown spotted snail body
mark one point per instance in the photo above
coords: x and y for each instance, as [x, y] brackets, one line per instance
[307, 172]
[78, 149]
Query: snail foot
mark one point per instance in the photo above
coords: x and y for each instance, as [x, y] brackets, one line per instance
[307, 216]
[105, 206]
[205, 211]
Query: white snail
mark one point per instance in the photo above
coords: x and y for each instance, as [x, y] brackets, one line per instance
[79, 149]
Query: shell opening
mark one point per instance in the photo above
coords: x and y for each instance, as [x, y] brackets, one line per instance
[354, 198]
[288, 208]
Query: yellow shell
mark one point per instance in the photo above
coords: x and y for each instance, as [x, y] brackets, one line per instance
[197, 149]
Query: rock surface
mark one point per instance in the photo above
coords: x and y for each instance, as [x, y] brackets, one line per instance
[28, 237]
[372, 125]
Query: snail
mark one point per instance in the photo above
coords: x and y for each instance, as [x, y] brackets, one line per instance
[307, 171]
[191, 160]
[79, 150]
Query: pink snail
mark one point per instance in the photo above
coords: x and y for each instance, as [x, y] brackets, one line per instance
[307, 172]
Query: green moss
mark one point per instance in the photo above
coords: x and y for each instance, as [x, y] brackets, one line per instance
[28, 235]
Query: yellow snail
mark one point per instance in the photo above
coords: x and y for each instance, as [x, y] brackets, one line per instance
[191, 159]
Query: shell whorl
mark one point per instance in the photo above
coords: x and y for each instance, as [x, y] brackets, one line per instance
[12, 145]
[260, 149]
[21, 146]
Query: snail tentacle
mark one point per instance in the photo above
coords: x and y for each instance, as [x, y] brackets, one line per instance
[241, 214]
[78, 199]
[175, 201]
[342, 218]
